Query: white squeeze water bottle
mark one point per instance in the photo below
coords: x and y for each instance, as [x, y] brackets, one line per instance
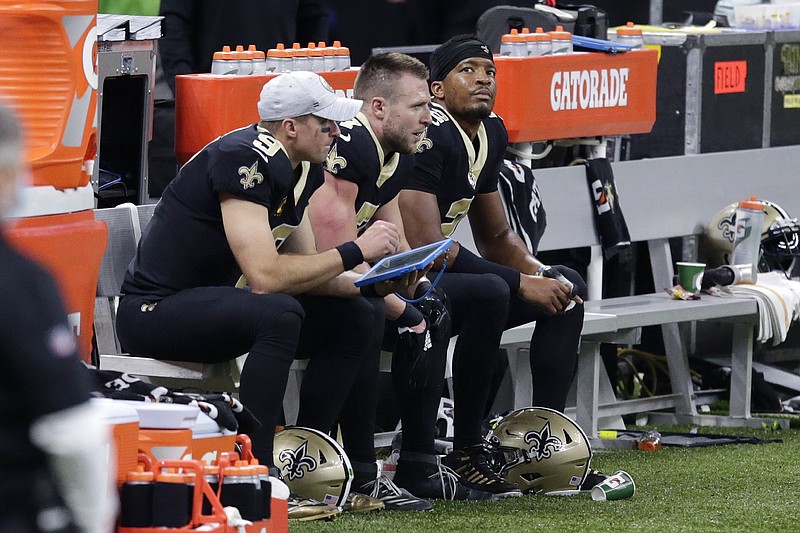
[630, 35]
[279, 60]
[539, 43]
[513, 44]
[300, 59]
[259, 60]
[316, 58]
[342, 54]
[245, 61]
[561, 41]
[225, 62]
[747, 243]
[328, 56]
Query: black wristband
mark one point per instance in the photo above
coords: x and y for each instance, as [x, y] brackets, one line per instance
[411, 316]
[351, 255]
[469, 263]
[369, 291]
[422, 288]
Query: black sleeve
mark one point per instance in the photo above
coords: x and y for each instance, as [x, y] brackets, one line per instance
[41, 367]
[429, 162]
[232, 167]
[496, 131]
[353, 160]
[175, 47]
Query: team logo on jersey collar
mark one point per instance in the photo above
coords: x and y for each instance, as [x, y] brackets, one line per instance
[472, 177]
[297, 460]
[424, 143]
[334, 162]
[251, 176]
[543, 443]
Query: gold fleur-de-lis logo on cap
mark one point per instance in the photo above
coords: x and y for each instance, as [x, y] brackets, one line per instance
[485, 48]
[251, 176]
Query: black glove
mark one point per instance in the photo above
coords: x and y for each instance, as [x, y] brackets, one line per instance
[723, 275]
[419, 348]
[434, 309]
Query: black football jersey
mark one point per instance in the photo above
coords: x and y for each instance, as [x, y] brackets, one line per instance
[522, 203]
[454, 168]
[358, 157]
[185, 245]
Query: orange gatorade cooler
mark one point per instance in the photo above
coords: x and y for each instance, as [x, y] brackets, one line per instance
[48, 74]
[166, 444]
[209, 440]
[165, 429]
[71, 247]
[124, 422]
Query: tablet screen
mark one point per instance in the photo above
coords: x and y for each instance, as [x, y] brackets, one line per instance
[399, 264]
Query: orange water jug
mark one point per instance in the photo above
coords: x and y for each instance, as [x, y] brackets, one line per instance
[48, 75]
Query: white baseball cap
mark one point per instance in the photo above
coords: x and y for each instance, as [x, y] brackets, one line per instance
[295, 94]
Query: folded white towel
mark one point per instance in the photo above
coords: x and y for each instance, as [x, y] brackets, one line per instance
[778, 302]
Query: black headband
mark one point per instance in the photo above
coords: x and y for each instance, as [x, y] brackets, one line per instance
[452, 53]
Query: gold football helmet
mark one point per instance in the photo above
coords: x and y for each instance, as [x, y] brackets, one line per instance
[539, 450]
[313, 465]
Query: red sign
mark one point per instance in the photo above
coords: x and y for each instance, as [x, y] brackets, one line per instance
[730, 77]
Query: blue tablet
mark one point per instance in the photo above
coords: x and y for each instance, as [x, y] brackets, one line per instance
[396, 265]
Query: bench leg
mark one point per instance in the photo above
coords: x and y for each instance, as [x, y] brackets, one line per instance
[741, 370]
[519, 367]
[661, 265]
[588, 387]
[679, 375]
[291, 398]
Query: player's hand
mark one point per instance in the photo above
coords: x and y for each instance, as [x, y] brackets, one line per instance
[554, 273]
[402, 283]
[422, 348]
[379, 240]
[549, 294]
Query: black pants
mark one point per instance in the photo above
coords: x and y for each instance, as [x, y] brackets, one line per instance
[342, 338]
[216, 324]
[481, 308]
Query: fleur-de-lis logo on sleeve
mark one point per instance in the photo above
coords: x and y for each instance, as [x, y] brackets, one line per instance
[251, 176]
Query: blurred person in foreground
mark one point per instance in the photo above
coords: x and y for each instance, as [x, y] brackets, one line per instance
[52, 440]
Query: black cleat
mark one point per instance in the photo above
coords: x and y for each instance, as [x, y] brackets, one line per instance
[473, 468]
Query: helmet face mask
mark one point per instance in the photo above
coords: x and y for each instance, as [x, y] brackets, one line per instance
[539, 450]
[780, 239]
[313, 465]
[780, 246]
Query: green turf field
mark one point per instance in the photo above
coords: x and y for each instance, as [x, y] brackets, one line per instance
[741, 487]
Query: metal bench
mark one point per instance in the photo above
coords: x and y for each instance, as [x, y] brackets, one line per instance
[662, 199]
[125, 225]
